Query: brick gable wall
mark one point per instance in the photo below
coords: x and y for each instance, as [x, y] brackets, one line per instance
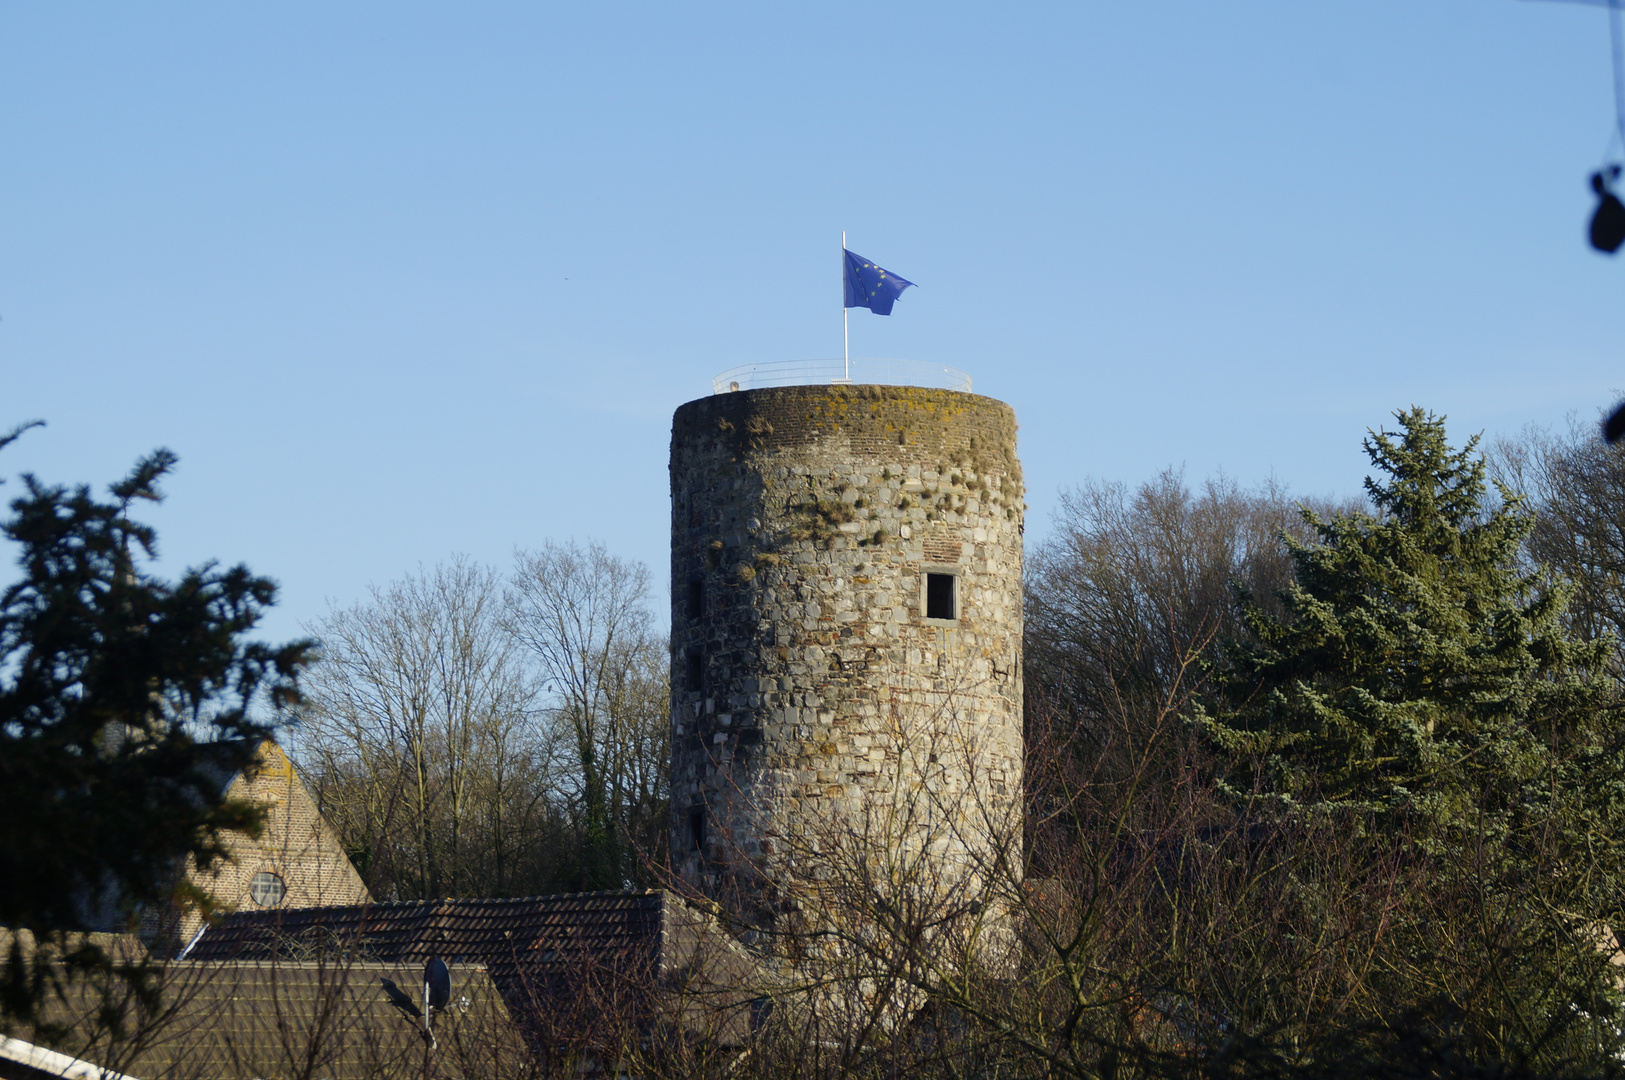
[297, 845]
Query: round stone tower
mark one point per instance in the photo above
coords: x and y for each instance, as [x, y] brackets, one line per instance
[846, 636]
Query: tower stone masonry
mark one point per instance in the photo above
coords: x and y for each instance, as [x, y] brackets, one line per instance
[846, 635]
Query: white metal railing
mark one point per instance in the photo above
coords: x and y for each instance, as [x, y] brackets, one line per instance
[823, 372]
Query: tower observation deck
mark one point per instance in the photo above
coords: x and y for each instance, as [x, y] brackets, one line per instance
[840, 372]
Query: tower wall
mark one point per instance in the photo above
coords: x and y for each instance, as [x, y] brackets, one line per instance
[815, 700]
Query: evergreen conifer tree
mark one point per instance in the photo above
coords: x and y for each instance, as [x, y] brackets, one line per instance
[1418, 669]
[1421, 691]
[124, 698]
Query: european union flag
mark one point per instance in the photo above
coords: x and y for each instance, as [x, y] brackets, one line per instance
[870, 286]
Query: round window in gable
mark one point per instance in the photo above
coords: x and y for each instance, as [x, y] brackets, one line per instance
[267, 889]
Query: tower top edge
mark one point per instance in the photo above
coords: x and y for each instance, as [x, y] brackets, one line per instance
[860, 423]
[771, 397]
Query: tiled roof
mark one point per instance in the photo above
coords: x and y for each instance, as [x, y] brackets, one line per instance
[277, 1018]
[536, 948]
[536, 932]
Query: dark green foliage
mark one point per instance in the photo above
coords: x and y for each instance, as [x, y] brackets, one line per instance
[1421, 694]
[124, 703]
[1415, 667]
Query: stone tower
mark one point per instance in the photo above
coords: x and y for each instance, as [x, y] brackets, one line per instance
[846, 635]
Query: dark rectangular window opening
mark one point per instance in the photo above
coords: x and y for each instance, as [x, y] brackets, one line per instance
[696, 827]
[696, 597]
[939, 596]
[695, 673]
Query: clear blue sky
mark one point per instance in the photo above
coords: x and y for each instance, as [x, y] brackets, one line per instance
[398, 280]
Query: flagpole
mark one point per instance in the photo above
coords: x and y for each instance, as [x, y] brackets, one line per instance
[846, 333]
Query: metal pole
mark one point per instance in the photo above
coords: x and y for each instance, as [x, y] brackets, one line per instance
[1614, 37]
[846, 332]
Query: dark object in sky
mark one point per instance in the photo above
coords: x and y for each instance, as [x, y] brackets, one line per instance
[871, 286]
[436, 983]
[1614, 426]
[1608, 222]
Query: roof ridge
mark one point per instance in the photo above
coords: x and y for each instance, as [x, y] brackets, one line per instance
[434, 906]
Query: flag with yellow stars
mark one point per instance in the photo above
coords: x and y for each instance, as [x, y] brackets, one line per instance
[870, 286]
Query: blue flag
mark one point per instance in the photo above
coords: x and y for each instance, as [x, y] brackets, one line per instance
[867, 285]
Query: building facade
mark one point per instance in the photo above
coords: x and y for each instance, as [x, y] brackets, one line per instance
[295, 862]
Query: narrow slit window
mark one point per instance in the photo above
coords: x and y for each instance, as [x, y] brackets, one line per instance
[696, 597]
[696, 670]
[939, 596]
[696, 827]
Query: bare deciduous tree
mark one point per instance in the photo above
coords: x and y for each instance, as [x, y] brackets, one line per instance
[583, 615]
[1576, 484]
[422, 741]
[1127, 575]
